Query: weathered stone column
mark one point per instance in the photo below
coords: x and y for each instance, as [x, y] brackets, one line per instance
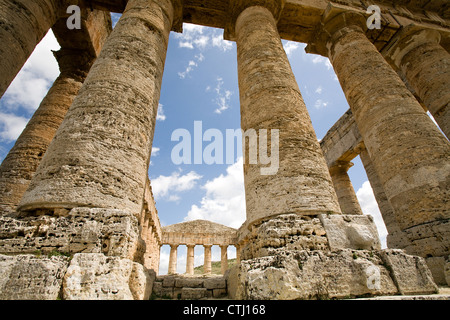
[23, 24]
[238, 253]
[190, 259]
[409, 153]
[395, 237]
[23, 159]
[344, 188]
[223, 258]
[173, 259]
[207, 259]
[100, 154]
[417, 54]
[270, 99]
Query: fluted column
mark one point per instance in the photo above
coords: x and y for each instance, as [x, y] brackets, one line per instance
[190, 259]
[21, 163]
[270, 99]
[395, 237]
[23, 24]
[223, 258]
[173, 259]
[425, 64]
[100, 154]
[409, 153]
[344, 188]
[207, 260]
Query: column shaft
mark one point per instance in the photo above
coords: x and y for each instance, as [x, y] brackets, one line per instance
[100, 154]
[23, 24]
[426, 66]
[223, 259]
[270, 99]
[207, 260]
[190, 260]
[344, 188]
[23, 159]
[173, 259]
[409, 153]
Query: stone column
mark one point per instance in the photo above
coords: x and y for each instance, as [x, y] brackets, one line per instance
[409, 153]
[190, 259]
[417, 54]
[23, 24]
[100, 154]
[344, 188]
[23, 159]
[395, 237]
[238, 253]
[173, 259]
[223, 258]
[207, 262]
[270, 99]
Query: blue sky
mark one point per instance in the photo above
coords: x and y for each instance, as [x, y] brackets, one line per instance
[199, 84]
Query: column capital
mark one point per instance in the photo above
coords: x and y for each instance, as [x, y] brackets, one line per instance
[74, 62]
[336, 21]
[340, 166]
[236, 7]
[409, 38]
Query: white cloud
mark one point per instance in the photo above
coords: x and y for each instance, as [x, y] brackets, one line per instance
[191, 65]
[223, 97]
[11, 126]
[322, 60]
[37, 75]
[319, 104]
[290, 47]
[369, 206]
[319, 90]
[224, 201]
[200, 37]
[160, 116]
[167, 186]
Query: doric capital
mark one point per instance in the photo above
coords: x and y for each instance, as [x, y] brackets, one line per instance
[336, 21]
[340, 167]
[408, 38]
[236, 7]
[74, 63]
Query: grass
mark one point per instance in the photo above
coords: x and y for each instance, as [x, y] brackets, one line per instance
[215, 267]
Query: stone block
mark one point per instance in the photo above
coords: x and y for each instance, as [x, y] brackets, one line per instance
[410, 273]
[219, 293]
[215, 283]
[30, 277]
[94, 276]
[447, 271]
[168, 281]
[350, 232]
[189, 283]
[193, 293]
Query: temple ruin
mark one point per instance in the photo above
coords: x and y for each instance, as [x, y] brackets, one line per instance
[77, 215]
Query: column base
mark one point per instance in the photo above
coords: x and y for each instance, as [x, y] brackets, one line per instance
[317, 274]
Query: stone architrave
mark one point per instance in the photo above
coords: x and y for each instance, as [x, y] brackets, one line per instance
[100, 155]
[270, 99]
[23, 24]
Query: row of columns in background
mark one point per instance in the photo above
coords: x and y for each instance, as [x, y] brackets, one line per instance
[408, 152]
[207, 259]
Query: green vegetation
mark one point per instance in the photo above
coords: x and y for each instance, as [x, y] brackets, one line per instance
[215, 267]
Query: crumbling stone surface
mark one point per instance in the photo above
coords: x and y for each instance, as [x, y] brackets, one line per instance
[109, 231]
[31, 277]
[189, 287]
[94, 276]
[325, 275]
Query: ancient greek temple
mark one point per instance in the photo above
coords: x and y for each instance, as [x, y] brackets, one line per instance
[77, 215]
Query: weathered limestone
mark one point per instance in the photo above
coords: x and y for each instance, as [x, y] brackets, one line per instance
[92, 276]
[270, 99]
[173, 259]
[395, 130]
[100, 155]
[417, 54]
[190, 259]
[344, 189]
[207, 268]
[223, 259]
[23, 24]
[181, 287]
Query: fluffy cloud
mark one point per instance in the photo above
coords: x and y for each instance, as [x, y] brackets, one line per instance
[192, 64]
[37, 75]
[160, 116]
[200, 37]
[369, 206]
[222, 97]
[168, 186]
[290, 47]
[320, 104]
[224, 201]
[11, 126]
